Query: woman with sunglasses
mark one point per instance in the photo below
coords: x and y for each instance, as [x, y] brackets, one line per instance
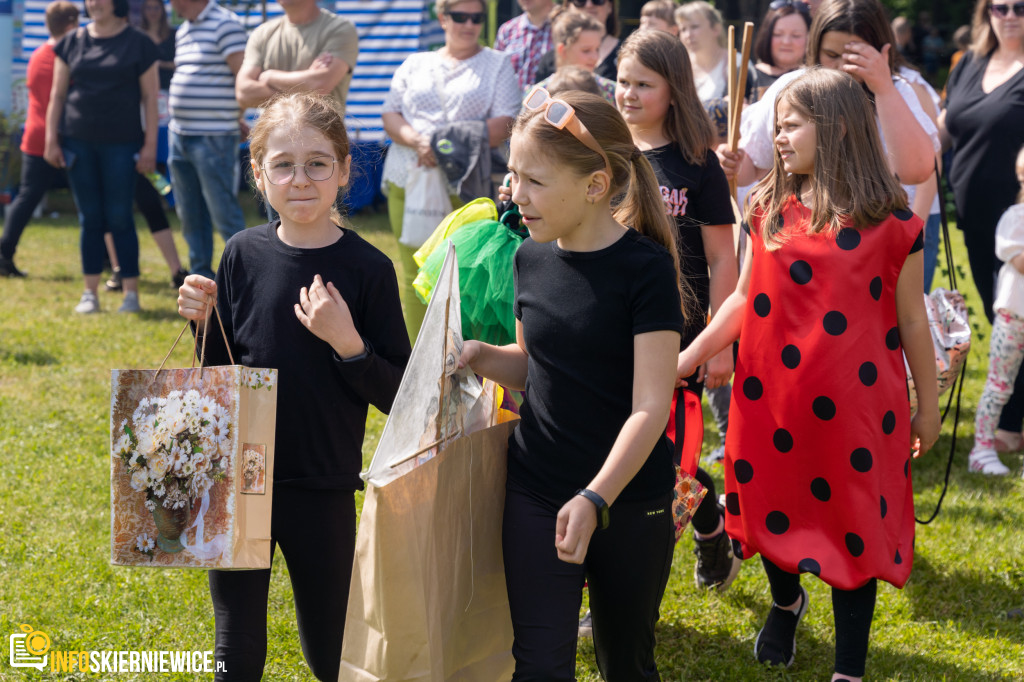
[598, 323]
[462, 81]
[607, 13]
[781, 41]
[984, 122]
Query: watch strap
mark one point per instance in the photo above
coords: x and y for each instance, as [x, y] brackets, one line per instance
[603, 515]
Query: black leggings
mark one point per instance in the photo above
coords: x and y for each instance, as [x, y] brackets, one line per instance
[626, 569]
[150, 205]
[851, 609]
[316, 530]
[37, 177]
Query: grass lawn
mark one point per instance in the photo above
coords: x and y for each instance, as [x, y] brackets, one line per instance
[959, 618]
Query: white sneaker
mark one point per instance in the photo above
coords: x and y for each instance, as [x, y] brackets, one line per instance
[130, 304]
[88, 304]
[986, 462]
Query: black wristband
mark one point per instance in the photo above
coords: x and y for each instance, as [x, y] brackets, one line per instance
[603, 516]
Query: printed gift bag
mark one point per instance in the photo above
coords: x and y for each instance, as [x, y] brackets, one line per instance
[427, 600]
[191, 466]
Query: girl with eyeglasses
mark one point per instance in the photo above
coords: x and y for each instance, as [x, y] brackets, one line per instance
[308, 296]
[984, 123]
[462, 81]
[598, 323]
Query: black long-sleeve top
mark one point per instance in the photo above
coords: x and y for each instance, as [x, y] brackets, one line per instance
[322, 401]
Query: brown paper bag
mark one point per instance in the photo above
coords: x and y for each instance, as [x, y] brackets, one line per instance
[428, 598]
[192, 467]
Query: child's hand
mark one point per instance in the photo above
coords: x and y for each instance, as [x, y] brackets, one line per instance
[470, 352]
[868, 65]
[575, 524]
[718, 370]
[505, 191]
[685, 366]
[924, 430]
[730, 160]
[195, 296]
[322, 310]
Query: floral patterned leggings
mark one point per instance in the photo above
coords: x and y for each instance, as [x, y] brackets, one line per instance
[1005, 353]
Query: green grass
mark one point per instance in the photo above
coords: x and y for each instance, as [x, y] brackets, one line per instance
[958, 618]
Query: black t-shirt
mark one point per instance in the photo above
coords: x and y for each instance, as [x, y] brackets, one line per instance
[321, 401]
[987, 132]
[103, 93]
[165, 53]
[695, 196]
[580, 312]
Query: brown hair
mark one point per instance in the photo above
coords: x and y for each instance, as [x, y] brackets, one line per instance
[296, 111]
[61, 16]
[566, 26]
[163, 29]
[632, 177]
[704, 9]
[443, 6]
[763, 39]
[572, 78]
[851, 181]
[862, 18]
[983, 38]
[659, 9]
[686, 123]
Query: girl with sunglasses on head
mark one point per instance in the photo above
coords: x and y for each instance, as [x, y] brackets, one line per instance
[656, 96]
[606, 12]
[462, 81]
[984, 122]
[598, 323]
[309, 297]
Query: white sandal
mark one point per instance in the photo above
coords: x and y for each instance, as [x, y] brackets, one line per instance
[986, 462]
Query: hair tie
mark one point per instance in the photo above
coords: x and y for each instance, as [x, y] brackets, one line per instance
[635, 155]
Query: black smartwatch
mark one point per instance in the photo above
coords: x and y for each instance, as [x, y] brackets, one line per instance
[602, 506]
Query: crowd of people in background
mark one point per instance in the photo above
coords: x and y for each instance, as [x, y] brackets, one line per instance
[848, 126]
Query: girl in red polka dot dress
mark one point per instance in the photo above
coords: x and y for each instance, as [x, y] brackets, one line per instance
[820, 434]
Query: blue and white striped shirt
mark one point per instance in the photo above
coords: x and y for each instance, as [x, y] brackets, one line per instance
[202, 95]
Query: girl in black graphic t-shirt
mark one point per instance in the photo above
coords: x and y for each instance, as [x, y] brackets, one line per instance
[598, 326]
[656, 96]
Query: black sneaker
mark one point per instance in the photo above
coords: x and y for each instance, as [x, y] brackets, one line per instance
[178, 278]
[114, 283]
[717, 565]
[776, 642]
[8, 269]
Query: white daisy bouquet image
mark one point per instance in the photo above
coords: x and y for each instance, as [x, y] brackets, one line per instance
[174, 449]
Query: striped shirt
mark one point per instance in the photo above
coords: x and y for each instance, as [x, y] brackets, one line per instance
[202, 96]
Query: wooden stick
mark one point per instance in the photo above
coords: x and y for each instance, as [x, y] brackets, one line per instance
[736, 106]
[731, 91]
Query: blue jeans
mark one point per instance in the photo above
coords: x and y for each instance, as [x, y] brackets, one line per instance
[102, 179]
[204, 174]
[931, 248]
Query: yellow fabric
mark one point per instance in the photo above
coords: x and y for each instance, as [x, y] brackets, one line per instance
[478, 209]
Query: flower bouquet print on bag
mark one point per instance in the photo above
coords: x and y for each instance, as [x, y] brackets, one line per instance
[191, 466]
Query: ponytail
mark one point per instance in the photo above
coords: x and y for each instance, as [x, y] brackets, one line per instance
[643, 209]
[632, 179]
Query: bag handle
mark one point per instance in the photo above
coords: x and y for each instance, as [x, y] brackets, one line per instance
[195, 344]
[963, 369]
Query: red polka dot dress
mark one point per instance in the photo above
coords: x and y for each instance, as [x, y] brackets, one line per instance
[817, 456]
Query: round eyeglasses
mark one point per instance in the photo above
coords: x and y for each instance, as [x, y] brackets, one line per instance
[317, 169]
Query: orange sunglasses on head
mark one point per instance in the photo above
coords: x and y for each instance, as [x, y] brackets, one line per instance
[561, 115]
